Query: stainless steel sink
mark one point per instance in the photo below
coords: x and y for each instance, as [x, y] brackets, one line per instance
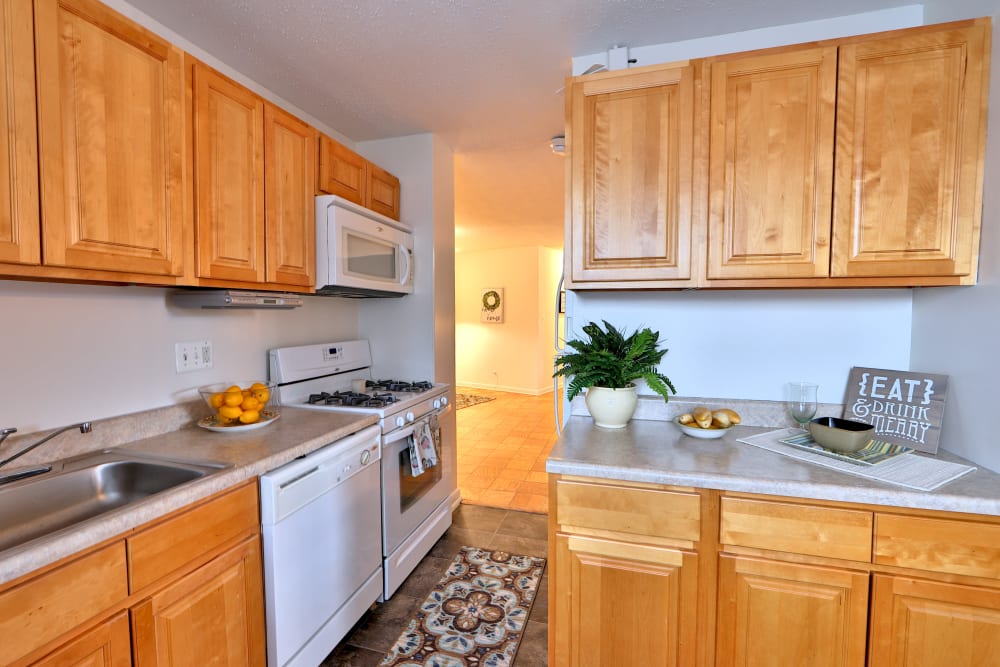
[86, 486]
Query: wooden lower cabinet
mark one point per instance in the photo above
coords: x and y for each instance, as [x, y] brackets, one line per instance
[213, 616]
[106, 645]
[924, 623]
[777, 613]
[623, 604]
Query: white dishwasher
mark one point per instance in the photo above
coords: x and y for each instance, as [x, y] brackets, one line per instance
[322, 531]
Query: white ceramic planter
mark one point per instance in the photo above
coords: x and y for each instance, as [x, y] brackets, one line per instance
[611, 408]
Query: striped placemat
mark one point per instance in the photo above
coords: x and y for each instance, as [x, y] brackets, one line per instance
[874, 452]
[912, 470]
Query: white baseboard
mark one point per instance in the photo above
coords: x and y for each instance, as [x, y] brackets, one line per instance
[500, 387]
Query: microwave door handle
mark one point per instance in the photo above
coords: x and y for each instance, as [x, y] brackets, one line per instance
[404, 275]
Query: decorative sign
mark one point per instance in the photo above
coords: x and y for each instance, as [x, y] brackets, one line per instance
[906, 408]
[492, 305]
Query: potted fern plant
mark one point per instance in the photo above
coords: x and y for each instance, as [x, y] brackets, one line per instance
[605, 364]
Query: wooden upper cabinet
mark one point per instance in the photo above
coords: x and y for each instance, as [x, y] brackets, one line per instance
[111, 138]
[630, 139]
[911, 114]
[383, 192]
[290, 177]
[341, 171]
[771, 165]
[229, 178]
[19, 221]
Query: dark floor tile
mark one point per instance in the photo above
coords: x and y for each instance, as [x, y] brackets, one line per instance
[478, 517]
[424, 576]
[522, 546]
[534, 648]
[525, 524]
[352, 656]
[540, 607]
[456, 538]
[380, 630]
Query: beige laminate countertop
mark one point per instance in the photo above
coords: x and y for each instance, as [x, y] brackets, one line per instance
[657, 452]
[251, 453]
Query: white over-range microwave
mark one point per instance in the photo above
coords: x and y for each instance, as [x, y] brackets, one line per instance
[360, 253]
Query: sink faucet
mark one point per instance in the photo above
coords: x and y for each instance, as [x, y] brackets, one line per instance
[83, 426]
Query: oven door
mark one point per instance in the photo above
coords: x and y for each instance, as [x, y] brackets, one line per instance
[406, 500]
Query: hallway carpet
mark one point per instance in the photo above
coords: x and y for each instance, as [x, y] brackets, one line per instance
[502, 447]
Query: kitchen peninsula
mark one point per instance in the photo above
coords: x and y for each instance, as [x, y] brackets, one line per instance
[671, 550]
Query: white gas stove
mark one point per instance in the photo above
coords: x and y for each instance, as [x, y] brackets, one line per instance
[416, 508]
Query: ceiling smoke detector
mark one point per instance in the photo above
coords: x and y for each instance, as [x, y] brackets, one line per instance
[558, 144]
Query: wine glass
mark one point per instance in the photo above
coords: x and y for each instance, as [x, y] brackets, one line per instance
[802, 402]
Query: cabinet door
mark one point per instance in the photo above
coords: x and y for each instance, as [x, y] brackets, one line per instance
[910, 127]
[622, 604]
[290, 177]
[771, 165]
[229, 178]
[920, 623]
[213, 616]
[111, 138]
[342, 171]
[383, 192]
[19, 230]
[631, 176]
[107, 645]
[775, 613]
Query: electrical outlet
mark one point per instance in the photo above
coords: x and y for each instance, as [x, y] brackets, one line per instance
[193, 356]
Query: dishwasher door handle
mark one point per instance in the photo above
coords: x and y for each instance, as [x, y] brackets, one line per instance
[298, 478]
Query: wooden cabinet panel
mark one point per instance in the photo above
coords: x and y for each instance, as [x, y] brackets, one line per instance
[638, 511]
[19, 219]
[185, 538]
[383, 192]
[290, 177]
[111, 137]
[775, 613]
[622, 604]
[229, 178]
[802, 529]
[942, 545]
[107, 645]
[917, 623]
[213, 616]
[631, 176]
[771, 165]
[910, 126]
[60, 600]
[341, 171]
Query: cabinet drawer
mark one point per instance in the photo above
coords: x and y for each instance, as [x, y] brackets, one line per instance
[941, 545]
[625, 509]
[801, 529]
[39, 610]
[187, 537]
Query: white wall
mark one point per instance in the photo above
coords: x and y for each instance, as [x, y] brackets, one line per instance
[735, 344]
[515, 355]
[77, 352]
[956, 331]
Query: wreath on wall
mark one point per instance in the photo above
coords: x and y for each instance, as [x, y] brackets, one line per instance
[491, 300]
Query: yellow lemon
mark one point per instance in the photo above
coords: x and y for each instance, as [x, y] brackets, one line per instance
[257, 386]
[230, 412]
[262, 395]
[250, 403]
[249, 416]
[233, 398]
[216, 400]
[235, 387]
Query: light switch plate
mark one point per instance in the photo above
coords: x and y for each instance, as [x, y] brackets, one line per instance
[193, 356]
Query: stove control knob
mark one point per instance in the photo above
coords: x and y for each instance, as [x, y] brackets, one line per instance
[437, 403]
[444, 400]
[365, 456]
[400, 421]
[410, 417]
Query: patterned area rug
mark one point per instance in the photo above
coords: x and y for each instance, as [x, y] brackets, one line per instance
[468, 400]
[475, 615]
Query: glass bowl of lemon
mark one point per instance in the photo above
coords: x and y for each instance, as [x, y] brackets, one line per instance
[237, 404]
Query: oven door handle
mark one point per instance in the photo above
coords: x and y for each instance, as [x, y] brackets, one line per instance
[396, 436]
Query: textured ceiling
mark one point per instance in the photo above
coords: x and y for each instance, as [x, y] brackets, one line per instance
[482, 75]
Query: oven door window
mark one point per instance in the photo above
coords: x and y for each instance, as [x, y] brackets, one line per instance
[370, 258]
[412, 488]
